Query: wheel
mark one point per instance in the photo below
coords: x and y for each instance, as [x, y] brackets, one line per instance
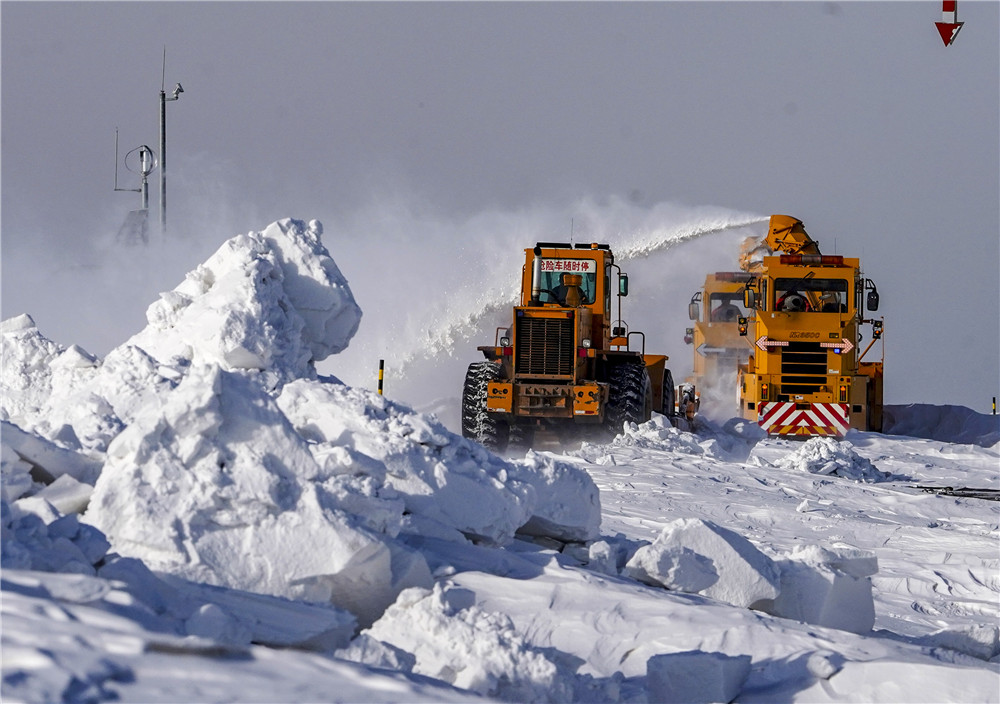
[630, 397]
[669, 399]
[488, 430]
[520, 436]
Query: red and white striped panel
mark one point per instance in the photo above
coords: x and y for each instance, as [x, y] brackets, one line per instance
[782, 418]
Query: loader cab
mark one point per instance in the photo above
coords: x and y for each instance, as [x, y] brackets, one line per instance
[552, 268]
[560, 277]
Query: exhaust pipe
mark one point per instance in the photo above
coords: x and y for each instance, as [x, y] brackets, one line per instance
[536, 278]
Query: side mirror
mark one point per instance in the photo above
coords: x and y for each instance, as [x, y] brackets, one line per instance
[749, 298]
[693, 311]
[873, 300]
[623, 284]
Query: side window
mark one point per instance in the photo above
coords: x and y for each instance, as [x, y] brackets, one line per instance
[607, 287]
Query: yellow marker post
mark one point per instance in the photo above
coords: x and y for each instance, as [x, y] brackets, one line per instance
[381, 372]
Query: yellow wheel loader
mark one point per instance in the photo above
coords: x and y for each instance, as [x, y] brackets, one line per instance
[566, 361]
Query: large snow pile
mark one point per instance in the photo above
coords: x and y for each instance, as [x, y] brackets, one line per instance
[228, 461]
[956, 424]
[203, 492]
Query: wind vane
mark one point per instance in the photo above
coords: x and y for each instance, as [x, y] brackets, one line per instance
[949, 25]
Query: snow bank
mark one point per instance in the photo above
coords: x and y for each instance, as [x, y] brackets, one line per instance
[217, 454]
[693, 555]
[822, 455]
[947, 423]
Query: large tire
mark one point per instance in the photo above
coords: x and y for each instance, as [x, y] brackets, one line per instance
[491, 432]
[668, 407]
[630, 396]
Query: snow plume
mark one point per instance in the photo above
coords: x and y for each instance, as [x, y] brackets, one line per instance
[449, 283]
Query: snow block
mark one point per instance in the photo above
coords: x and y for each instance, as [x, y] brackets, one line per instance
[695, 676]
[46, 460]
[982, 641]
[368, 651]
[567, 503]
[688, 552]
[828, 588]
[676, 568]
[215, 472]
[37, 537]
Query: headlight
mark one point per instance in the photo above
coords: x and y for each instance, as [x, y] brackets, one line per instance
[585, 342]
[505, 342]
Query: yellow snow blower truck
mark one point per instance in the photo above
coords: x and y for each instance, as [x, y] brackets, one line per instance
[715, 311]
[805, 375]
[566, 360]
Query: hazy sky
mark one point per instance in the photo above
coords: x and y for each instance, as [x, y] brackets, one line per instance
[851, 116]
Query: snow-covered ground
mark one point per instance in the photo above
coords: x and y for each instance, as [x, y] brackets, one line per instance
[201, 516]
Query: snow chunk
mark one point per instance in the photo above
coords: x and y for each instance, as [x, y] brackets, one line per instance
[671, 566]
[822, 455]
[699, 556]
[980, 641]
[68, 396]
[455, 641]
[658, 434]
[368, 651]
[45, 461]
[567, 503]
[694, 676]
[450, 486]
[26, 376]
[34, 535]
[272, 301]
[215, 486]
[827, 587]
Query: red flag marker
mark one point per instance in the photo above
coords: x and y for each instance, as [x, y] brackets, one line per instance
[949, 25]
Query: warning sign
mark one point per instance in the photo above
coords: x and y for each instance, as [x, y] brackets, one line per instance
[574, 266]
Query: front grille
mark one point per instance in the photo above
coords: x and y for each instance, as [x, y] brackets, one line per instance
[803, 368]
[544, 346]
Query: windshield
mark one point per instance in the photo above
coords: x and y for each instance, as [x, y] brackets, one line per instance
[553, 273]
[726, 307]
[811, 295]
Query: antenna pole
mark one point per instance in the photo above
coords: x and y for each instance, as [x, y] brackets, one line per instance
[163, 159]
[163, 142]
